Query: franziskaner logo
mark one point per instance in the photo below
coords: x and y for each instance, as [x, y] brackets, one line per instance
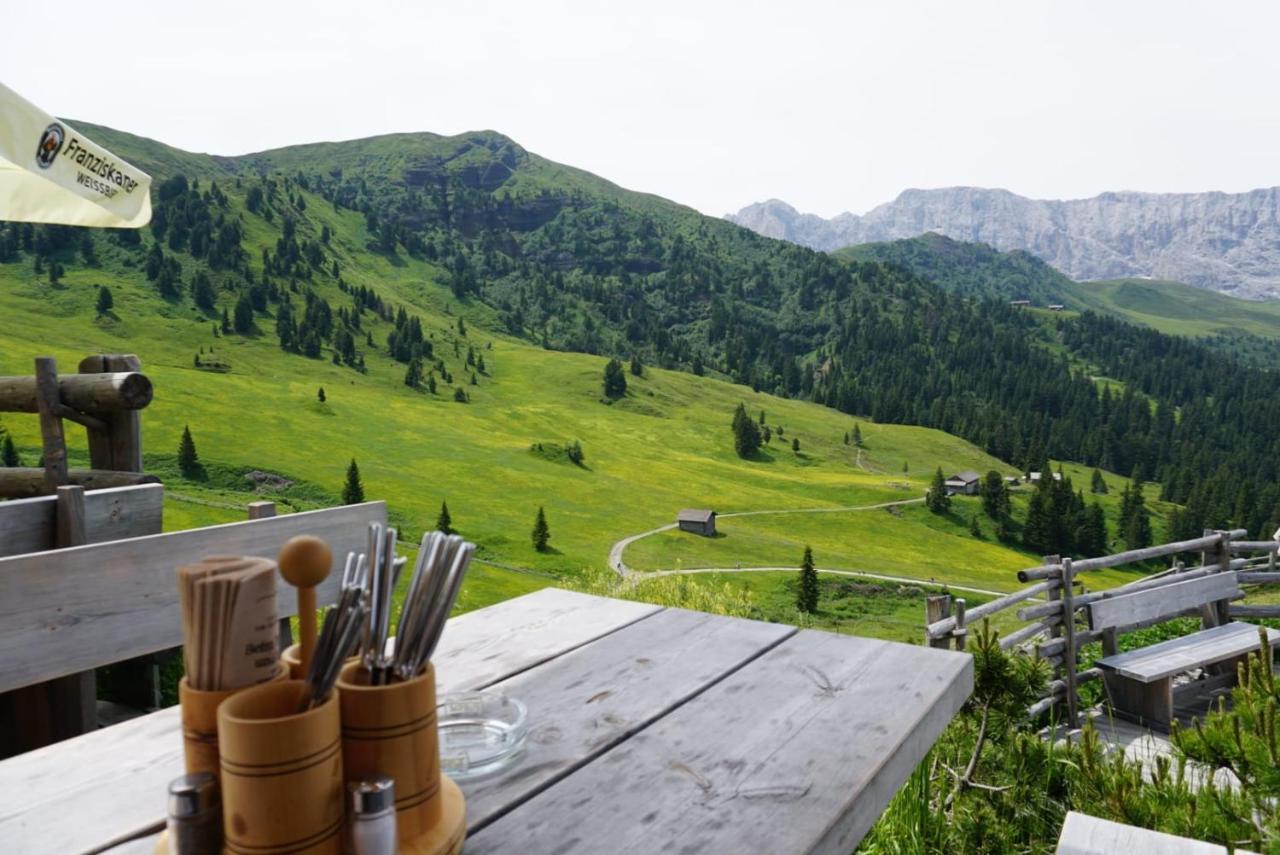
[50, 144]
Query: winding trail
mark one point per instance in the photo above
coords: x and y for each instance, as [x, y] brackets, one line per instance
[861, 574]
[619, 566]
[628, 574]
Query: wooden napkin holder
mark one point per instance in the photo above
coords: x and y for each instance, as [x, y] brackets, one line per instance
[392, 730]
[199, 711]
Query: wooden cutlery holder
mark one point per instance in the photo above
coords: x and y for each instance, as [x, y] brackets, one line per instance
[282, 783]
[391, 730]
[200, 723]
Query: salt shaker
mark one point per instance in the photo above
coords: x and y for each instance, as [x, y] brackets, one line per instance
[195, 815]
[373, 816]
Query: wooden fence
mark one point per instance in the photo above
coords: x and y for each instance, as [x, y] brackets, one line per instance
[1053, 632]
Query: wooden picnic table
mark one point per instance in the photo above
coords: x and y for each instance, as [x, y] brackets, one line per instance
[650, 729]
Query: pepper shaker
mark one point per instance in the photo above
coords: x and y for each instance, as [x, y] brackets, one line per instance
[373, 816]
[195, 815]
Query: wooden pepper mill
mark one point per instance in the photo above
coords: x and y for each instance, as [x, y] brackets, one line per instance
[305, 562]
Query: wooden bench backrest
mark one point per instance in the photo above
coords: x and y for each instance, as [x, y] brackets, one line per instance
[69, 610]
[1165, 601]
[30, 525]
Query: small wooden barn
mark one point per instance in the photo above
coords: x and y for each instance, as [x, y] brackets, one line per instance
[698, 521]
[963, 483]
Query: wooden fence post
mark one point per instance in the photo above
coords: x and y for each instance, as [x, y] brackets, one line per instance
[1069, 638]
[960, 632]
[262, 510]
[54, 442]
[120, 446]
[935, 609]
[1224, 566]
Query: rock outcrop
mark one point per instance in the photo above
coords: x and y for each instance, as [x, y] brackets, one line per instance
[1227, 242]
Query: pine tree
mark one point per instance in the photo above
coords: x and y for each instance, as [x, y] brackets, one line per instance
[1091, 538]
[444, 522]
[746, 436]
[541, 531]
[1137, 528]
[807, 590]
[795, 444]
[615, 380]
[353, 489]
[431, 383]
[188, 459]
[857, 435]
[413, 374]
[225, 326]
[937, 499]
[243, 315]
[9, 454]
[105, 301]
[995, 495]
[460, 395]
[637, 367]
[1098, 484]
[1037, 531]
[974, 528]
[846, 437]
[320, 394]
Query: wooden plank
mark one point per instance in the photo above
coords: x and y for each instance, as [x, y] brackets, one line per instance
[1192, 651]
[79, 608]
[1255, 611]
[798, 751]
[114, 780]
[588, 701]
[484, 649]
[1164, 600]
[1087, 835]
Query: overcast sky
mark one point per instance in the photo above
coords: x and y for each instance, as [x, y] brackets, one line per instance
[830, 106]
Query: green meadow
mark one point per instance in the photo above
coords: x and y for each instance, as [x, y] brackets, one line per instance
[666, 445]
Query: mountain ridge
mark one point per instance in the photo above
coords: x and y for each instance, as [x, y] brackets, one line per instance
[1225, 242]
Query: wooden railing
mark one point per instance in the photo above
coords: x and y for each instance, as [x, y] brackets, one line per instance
[1051, 632]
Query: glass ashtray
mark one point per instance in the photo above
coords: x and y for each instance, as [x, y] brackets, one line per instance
[480, 733]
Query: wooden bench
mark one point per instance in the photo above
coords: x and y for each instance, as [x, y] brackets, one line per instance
[1087, 835]
[1139, 683]
[66, 611]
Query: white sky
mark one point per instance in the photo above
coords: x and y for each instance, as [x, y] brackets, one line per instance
[830, 106]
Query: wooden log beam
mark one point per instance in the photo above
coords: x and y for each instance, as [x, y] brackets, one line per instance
[24, 482]
[977, 613]
[88, 393]
[1254, 545]
[1018, 636]
[1196, 545]
[1263, 578]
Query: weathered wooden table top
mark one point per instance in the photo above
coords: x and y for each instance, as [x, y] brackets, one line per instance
[651, 729]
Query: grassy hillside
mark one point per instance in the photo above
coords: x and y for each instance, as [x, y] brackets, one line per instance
[1180, 309]
[972, 269]
[1245, 328]
[666, 445]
